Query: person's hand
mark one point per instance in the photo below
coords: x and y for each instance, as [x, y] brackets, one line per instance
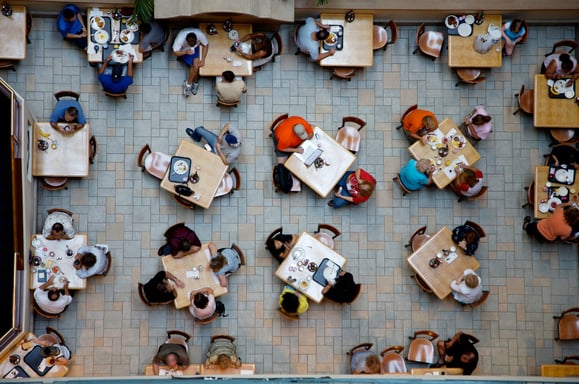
[462, 244]
[217, 145]
[179, 283]
[569, 82]
[299, 150]
[423, 140]
[338, 192]
[332, 51]
[201, 62]
[131, 57]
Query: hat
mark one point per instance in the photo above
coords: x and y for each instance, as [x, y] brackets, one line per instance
[231, 140]
[300, 131]
[117, 73]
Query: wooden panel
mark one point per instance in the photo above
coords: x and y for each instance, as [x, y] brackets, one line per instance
[219, 49]
[554, 113]
[13, 34]
[461, 53]
[358, 41]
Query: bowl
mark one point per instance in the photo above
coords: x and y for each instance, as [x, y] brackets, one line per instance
[451, 22]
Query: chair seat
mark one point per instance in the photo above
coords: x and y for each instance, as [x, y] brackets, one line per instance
[527, 101]
[344, 72]
[157, 163]
[418, 241]
[325, 239]
[393, 363]
[380, 37]
[296, 184]
[56, 182]
[421, 350]
[569, 327]
[226, 185]
[468, 74]
[431, 43]
[349, 138]
[562, 135]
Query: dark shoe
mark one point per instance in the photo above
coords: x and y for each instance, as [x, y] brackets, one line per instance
[526, 222]
[163, 250]
[331, 203]
[191, 133]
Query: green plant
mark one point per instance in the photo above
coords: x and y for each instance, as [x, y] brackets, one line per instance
[144, 10]
[322, 2]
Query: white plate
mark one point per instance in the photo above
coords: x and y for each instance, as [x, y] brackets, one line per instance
[331, 40]
[180, 167]
[569, 94]
[132, 27]
[330, 273]
[458, 142]
[297, 253]
[559, 86]
[561, 175]
[562, 191]
[245, 48]
[304, 284]
[553, 201]
[120, 56]
[101, 37]
[464, 30]
[543, 207]
[127, 36]
[469, 19]
[97, 22]
[448, 24]
[233, 34]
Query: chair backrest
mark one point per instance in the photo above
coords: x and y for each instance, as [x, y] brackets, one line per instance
[183, 202]
[53, 334]
[237, 177]
[275, 232]
[476, 227]
[141, 156]
[155, 163]
[288, 316]
[392, 361]
[407, 112]
[335, 232]
[469, 76]
[65, 211]
[353, 119]
[93, 149]
[421, 348]
[326, 238]
[123, 95]
[570, 360]
[178, 337]
[571, 44]
[393, 32]
[60, 94]
[482, 299]
[298, 49]
[422, 284]
[359, 348]
[343, 72]
[568, 324]
[42, 313]
[419, 232]
[524, 37]
[208, 320]
[278, 120]
[405, 191]
[236, 248]
[277, 45]
[419, 33]
[141, 290]
[226, 337]
[226, 103]
[53, 183]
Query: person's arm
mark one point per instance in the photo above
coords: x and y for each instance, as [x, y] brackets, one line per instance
[320, 25]
[293, 149]
[48, 283]
[223, 280]
[66, 291]
[130, 69]
[338, 193]
[204, 54]
[83, 30]
[170, 276]
[329, 53]
[155, 368]
[550, 71]
[105, 64]
[222, 133]
[212, 248]
[220, 153]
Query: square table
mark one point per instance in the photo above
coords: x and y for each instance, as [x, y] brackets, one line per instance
[53, 253]
[219, 50]
[554, 113]
[182, 269]
[245, 369]
[541, 178]
[191, 370]
[315, 251]
[13, 33]
[69, 159]
[358, 41]
[461, 53]
[322, 180]
[208, 166]
[115, 28]
[439, 279]
[425, 151]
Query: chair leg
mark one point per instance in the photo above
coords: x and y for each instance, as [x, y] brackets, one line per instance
[297, 52]
[416, 50]
[457, 83]
[517, 111]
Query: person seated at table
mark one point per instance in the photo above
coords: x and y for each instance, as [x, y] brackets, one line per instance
[416, 174]
[222, 353]
[469, 181]
[467, 289]
[187, 44]
[181, 241]
[458, 352]
[292, 302]
[343, 289]
[229, 88]
[172, 354]
[227, 145]
[558, 225]
[354, 187]
[114, 81]
[280, 245]
[309, 37]
[52, 299]
[365, 362]
[418, 123]
[513, 33]
[224, 261]
[69, 112]
[478, 123]
[152, 36]
[563, 154]
[467, 238]
[261, 46]
[60, 353]
[203, 304]
[58, 226]
[288, 136]
[560, 65]
[161, 289]
[71, 26]
[91, 260]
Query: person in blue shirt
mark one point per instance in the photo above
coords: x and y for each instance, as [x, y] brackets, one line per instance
[71, 26]
[70, 112]
[416, 174]
[115, 82]
[513, 33]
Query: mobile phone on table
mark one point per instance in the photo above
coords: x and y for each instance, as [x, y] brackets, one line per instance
[42, 276]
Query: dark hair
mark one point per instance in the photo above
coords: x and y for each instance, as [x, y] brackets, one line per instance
[184, 245]
[217, 262]
[290, 303]
[571, 215]
[200, 300]
[229, 76]
[145, 28]
[468, 368]
[469, 177]
[516, 25]
[88, 259]
[480, 119]
[53, 294]
[471, 236]
[49, 351]
[72, 111]
[322, 34]
[68, 14]
[57, 227]
[566, 62]
[191, 39]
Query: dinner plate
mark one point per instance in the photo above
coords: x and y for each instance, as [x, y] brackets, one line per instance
[543, 207]
[120, 56]
[180, 167]
[559, 86]
[464, 30]
[233, 34]
[97, 22]
[304, 284]
[553, 202]
[134, 27]
[330, 272]
[569, 94]
[101, 37]
[431, 139]
[245, 48]
[451, 22]
[127, 36]
[562, 191]
[332, 39]
[298, 252]
[469, 19]
[458, 142]
[561, 175]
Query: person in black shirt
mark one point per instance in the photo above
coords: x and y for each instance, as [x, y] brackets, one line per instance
[280, 245]
[161, 288]
[343, 290]
[458, 352]
[467, 238]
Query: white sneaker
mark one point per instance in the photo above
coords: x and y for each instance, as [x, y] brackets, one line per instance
[195, 88]
[186, 88]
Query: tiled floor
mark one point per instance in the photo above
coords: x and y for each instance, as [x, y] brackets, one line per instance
[112, 333]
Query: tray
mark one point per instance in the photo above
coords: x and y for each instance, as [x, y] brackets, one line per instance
[179, 177]
[561, 95]
[553, 171]
[16, 372]
[551, 193]
[107, 28]
[339, 31]
[319, 275]
[33, 360]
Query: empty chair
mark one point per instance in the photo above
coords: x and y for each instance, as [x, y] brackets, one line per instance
[381, 40]
[326, 238]
[418, 238]
[392, 361]
[469, 76]
[568, 324]
[525, 101]
[183, 202]
[421, 349]
[53, 183]
[156, 163]
[231, 182]
[429, 42]
[562, 135]
[348, 135]
[343, 73]
[530, 195]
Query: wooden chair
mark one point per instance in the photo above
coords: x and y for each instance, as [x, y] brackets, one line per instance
[60, 94]
[123, 95]
[287, 316]
[183, 202]
[421, 284]
[571, 44]
[53, 183]
[326, 238]
[276, 49]
[343, 73]
[156, 163]
[525, 101]
[469, 76]
[7, 64]
[530, 195]
[348, 135]
[568, 325]
[221, 103]
[141, 290]
[110, 259]
[92, 149]
[480, 301]
[568, 360]
[421, 349]
[461, 197]
[208, 320]
[178, 337]
[231, 182]
[52, 336]
[428, 42]
[298, 49]
[276, 122]
[43, 313]
[236, 248]
[405, 191]
[392, 361]
[380, 35]
[418, 238]
[562, 135]
[406, 113]
[28, 27]
[476, 227]
[358, 348]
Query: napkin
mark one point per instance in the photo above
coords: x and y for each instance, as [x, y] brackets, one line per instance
[90, 50]
[96, 12]
[451, 134]
[449, 171]
[192, 274]
[237, 63]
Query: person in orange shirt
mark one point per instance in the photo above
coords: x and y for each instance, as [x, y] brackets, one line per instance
[418, 123]
[288, 136]
[558, 225]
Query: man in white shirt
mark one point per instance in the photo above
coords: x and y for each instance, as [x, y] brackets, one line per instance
[468, 288]
[51, 300]
[191, 46]
[309, 37]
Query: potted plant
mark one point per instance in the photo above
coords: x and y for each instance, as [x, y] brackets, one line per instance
[143, 10]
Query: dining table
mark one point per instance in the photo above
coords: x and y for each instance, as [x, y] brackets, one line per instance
[449, 268]
[109, 31]
[554, 112]
[13, 34]
[55, 154]
[436, 371]
[245, 369]
[301, 268]
[193, 270]
[550, 192]
[356, 49]
[191, 370]
[448, 150]
[461, 52]
[322, 177]
[25, 360]
[207, 170]
[220, 58]
[55, 258]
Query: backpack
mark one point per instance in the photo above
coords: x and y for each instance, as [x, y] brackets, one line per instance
[282, 178]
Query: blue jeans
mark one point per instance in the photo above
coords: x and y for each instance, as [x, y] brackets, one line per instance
[339, 202]
[210, 137]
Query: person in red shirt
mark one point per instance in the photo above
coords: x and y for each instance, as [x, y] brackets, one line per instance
[355, 187]
[558, 225]
[181, 241]
[288, 136]
[418, 123]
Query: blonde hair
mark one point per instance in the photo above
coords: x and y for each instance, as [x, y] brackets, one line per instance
[429, 123]
[373, 364]
[471, 280]
[217, 262]
[224, 361]
[423, 165]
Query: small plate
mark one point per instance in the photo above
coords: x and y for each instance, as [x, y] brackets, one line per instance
[561, 175]
[180, 167]
[132, 27]
[559, 86]
[469, 19]
[562, 191]
[97, 22]
[120, 56]
[553, 202]
[101, 37]
[330, 273]
[331, 40]
[431, 139]
[569, 94]
[304, 284]
[297, 253]
[451, 22]
[458, 141]
[233, 34]
[127, 36]
[464, 30]
[543, 207]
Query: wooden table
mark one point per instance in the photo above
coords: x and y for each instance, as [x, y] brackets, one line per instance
[422, 151]
[116, 26]
[461, 53]
[357, 48]
[315, 251]
[210, 169]
[23, 349]
[219, 49]
[53, 253]
[192, 369]
[69, 159]
[560, 370]
[182, 269]
[541, 178]
[245, 369]
[322, 180]
[13, 34]
[438, 279]
[554, 113]
[436, 371]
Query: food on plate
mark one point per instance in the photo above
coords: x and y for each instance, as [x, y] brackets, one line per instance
[180, 167]
[458, 142]
[451, 22]
[331, 39]
[98, 22]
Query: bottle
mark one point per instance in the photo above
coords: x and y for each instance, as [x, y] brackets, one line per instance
[479, 18]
